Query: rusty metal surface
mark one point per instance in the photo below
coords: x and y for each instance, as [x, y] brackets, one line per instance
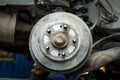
[60, 40]
[101, 58]
[7, 27]
[70, 58]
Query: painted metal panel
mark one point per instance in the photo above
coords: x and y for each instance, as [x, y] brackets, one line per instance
[21, 68]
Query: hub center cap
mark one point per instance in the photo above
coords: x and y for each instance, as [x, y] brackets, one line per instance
[60, 40]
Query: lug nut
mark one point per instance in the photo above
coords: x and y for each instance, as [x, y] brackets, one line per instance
[49, 31]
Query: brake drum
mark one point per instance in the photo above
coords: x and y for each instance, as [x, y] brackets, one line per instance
[60, 42]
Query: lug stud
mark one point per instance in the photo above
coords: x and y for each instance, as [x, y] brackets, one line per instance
[65, 26]
[47, 48]
[48, 31]
[74, 41]
[63, 54]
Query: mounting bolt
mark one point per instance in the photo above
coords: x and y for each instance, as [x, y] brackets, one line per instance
[48, 31]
